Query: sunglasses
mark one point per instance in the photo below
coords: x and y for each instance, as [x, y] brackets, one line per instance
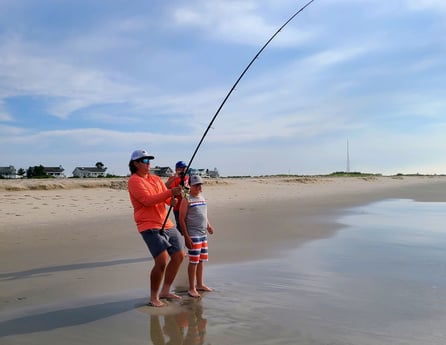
[144, 160]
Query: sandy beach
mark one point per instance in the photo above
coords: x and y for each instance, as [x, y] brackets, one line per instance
[75, 240]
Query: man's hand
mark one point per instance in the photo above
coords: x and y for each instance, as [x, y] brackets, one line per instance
[176, 190]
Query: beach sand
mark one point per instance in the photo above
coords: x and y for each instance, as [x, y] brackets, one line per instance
[74, 241]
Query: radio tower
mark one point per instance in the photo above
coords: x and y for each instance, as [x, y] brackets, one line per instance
[348, 159]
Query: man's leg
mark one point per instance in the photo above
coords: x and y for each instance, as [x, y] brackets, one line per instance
[156, 277]
[171, 271]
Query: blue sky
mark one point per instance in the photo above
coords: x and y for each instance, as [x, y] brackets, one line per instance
[83, 81]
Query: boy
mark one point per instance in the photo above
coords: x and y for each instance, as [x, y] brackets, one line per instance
[194, 223]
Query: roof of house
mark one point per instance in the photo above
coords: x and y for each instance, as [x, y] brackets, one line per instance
[53, 169]
[91, 169]
[9, 169]
[163, 168]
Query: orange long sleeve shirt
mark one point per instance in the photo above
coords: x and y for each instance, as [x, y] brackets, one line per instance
[149, 197]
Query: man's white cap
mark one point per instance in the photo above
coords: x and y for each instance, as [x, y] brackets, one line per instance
[138, 154]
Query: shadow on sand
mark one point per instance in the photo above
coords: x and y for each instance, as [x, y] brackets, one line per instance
[61, 268]
[181, 323]
[51, 320]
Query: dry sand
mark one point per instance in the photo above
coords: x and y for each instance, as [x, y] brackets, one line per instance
[76, 238]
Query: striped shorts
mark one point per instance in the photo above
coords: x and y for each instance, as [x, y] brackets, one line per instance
[199, 251]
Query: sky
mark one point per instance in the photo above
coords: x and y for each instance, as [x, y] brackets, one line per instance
[86, 81]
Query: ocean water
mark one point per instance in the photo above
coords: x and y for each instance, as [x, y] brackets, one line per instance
[381, 279]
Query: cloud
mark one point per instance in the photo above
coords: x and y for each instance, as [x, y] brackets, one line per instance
[7, 132]
[4, 115]
[241, 22]
[419, 5]
[26, 70]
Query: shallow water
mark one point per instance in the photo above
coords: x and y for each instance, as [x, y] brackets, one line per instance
[380, 280]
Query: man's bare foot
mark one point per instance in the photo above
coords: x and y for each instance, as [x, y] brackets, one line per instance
[204, 288]
[193, 293]
[156, 303]
[170, 295]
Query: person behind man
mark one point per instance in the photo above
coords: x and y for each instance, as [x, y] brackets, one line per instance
[194, 222]
[179, 179]
[149, 196]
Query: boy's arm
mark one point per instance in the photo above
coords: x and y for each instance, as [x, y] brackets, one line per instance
[184, 206]
[182, 217]
[210, 228]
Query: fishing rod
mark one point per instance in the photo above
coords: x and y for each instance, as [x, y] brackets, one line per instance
[229, 94]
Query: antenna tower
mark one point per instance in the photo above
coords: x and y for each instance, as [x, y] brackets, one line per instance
[348, 158]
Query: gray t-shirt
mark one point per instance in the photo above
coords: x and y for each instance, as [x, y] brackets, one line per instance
[196, 217]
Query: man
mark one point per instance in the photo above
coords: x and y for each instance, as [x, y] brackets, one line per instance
[149, 196]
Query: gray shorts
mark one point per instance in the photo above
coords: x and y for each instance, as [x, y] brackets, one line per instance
[158, 241]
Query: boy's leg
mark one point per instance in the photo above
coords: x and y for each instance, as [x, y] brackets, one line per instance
[192, 272]
[200, 285]
[194, 259]
[200, 269]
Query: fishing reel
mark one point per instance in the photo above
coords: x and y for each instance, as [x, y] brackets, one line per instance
[185, 189]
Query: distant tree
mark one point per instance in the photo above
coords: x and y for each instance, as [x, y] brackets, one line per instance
[21, 172]
[37, 171]
[100, 165]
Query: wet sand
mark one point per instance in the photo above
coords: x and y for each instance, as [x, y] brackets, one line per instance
[71, 255]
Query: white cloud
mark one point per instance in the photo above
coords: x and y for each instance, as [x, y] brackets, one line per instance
[6, 132]
[329, 58]
[240, 22]
[4, 115]
[426, 5]
[25, 70]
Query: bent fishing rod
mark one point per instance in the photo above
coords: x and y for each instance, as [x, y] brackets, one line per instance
[229, 94]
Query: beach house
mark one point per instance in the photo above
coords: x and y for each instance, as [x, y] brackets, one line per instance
[89, 172]
[8, 172]
[57, 172]
[162, 171]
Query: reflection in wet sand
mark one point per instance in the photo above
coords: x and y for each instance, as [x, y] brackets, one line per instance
[187, 326]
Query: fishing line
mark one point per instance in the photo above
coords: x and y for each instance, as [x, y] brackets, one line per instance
[229, 94]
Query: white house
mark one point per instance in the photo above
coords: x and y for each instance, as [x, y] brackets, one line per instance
[8, 172]
[84, 172]
[162, 171]
[214, 173]
[57, 172]
[199, 172]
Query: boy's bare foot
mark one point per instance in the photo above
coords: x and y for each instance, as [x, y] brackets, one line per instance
[170, 295]
[193, 293]
[204, 288]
